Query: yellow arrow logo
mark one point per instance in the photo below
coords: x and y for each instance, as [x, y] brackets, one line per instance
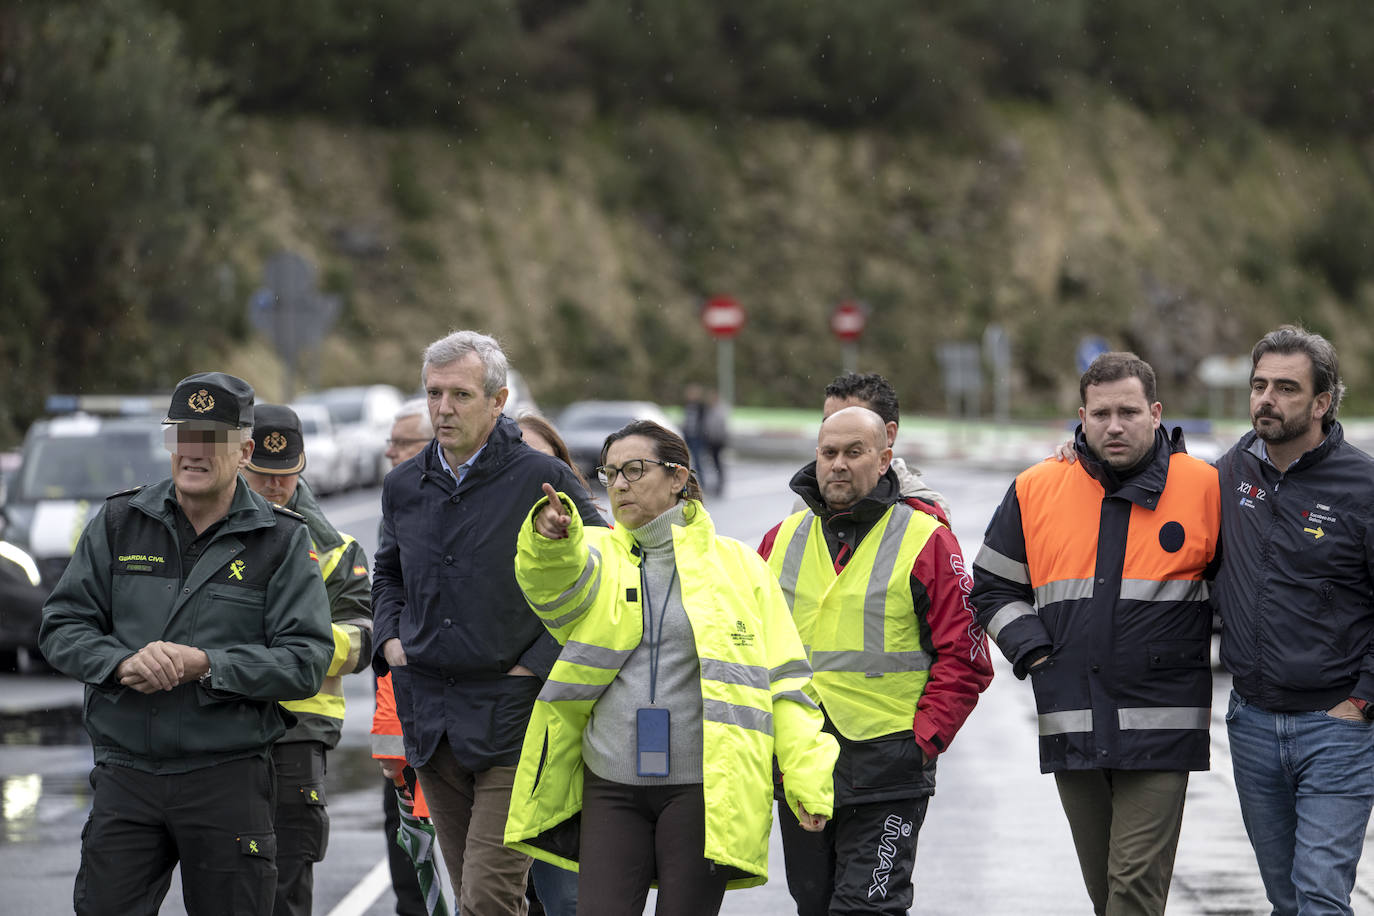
[1317, 532]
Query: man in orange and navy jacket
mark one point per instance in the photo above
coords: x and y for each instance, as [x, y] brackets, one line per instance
[1093, 578]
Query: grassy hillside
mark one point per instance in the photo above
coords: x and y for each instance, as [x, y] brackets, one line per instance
[587, 245]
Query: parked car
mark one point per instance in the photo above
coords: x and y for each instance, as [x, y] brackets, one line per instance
[585, 425]
[326, 467]
[21, 608]
[67, 466]
[362, 418]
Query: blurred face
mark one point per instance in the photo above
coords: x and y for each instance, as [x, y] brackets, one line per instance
[851, 456]
[537, 442]
[635, 504]
[206, 458]
[406, 440]
[275, 488]
[1118, 422]
[1282, 405]
[832, 404]
[463, 416]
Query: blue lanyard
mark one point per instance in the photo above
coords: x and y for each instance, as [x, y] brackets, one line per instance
[655, 645]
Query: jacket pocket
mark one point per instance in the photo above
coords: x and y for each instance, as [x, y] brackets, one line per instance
[228, 616]
[885, 763]
[1178, 653]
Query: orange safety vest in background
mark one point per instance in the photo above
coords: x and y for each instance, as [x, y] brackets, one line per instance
[387, 743]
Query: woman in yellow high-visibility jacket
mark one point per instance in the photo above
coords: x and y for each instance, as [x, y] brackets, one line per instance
[681, 678]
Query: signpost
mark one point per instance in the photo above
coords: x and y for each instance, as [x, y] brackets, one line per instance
[847, 323]
[1090, 347]
[997, 351]
[723, 317]
[962, 367]
[290, 310]
[1226, 378]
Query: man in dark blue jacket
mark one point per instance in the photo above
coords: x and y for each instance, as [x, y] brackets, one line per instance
[1294, 593]
[467, 654]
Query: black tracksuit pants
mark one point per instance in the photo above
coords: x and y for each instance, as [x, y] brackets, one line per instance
[861, 863]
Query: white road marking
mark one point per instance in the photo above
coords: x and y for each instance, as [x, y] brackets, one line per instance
[365, 893]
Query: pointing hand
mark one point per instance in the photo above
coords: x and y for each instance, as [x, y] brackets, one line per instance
[551, 521]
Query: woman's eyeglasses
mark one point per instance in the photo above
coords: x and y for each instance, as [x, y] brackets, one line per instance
[632, 470]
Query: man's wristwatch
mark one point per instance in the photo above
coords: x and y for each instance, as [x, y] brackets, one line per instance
[205, 679]
[1363, 706]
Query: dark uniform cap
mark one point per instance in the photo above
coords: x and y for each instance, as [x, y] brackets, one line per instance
[278, 446]
[212, 397]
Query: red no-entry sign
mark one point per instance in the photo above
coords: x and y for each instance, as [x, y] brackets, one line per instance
[848, 320]
[722, 316]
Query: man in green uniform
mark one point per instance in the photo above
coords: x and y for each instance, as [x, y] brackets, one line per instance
[274, 473]
[190, 608]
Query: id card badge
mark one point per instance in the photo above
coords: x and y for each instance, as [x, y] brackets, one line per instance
[651, 732]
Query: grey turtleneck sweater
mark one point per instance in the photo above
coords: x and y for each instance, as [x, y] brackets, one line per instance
[608, 743]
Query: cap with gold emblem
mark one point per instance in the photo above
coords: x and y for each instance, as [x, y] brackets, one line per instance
[278, 446]
[212, 397]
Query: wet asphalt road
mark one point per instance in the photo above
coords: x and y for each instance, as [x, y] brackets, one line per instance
[994, 842]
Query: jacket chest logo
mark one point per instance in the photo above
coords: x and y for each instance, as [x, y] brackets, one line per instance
[1313, 519]
[236, 570]
[1250, 494]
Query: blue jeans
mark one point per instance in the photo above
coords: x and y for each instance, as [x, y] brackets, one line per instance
[1305, 787]
[556, 887]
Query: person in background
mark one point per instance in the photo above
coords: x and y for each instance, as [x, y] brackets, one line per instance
[680, 678]
[466, 653]
[715, 428]
[411, 431]
[879, 593]
[694, 408]
[877, 394]
[555, 886]
[541, 436]
[190, 609]
[302, 817]
[1093, 578]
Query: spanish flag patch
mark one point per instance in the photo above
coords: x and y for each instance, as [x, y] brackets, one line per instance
[360, 570]
[313, 555]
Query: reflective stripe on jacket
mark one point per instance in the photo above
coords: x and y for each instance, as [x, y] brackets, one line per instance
[388, 742]
[1113, 585]
[859, 626]
[343, 566]
[586, 588]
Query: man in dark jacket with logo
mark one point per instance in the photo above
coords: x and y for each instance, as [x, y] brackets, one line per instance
[274, 473]
[1298, 626]
[879, 593]
[467, 655]
[1113, 624]
[190, 608]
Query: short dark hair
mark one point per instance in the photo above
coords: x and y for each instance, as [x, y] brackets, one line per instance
[668, 446]
[1326, 368]
[871, 388]
[1115, 366]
